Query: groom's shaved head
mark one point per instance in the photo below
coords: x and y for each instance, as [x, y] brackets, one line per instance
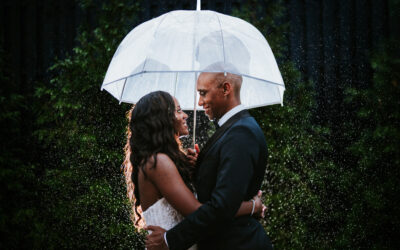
[235, 80]
[219, 92]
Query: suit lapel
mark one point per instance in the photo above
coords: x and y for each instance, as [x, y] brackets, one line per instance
[221, 131]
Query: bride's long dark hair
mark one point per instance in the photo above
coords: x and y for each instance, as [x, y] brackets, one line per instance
[152, 129]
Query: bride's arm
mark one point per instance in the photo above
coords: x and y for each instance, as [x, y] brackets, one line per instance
[168, 181]
[166, 178]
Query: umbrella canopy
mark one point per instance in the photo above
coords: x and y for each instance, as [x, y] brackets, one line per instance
[169, 52]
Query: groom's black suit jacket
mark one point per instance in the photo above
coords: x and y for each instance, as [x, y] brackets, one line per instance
[230, 169]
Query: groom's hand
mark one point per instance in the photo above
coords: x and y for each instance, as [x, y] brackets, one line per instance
[155, 240]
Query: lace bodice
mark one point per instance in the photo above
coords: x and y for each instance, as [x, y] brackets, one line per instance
[162, 214]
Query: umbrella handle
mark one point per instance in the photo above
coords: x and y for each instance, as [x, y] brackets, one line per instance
[194, 109]
[194, 126]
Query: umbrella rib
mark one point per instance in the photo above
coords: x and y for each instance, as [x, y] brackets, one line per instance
[195, 74]
[122, 92]
[119, 79]
[176, 80]
[222, 36]
[253, 38]
[155, 32]
[252, 77]
[194, 39]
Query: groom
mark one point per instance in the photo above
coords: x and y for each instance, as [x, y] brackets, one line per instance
[230, 169]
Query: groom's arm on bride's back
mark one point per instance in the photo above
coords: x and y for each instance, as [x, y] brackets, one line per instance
[237, 158]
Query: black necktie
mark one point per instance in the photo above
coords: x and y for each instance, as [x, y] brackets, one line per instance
[215, 121]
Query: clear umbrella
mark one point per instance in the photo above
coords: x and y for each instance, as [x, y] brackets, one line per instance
[169, 52]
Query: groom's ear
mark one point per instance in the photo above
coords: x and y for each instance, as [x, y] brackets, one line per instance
[226, 88]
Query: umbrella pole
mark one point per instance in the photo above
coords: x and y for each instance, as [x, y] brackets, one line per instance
[194, 110]
[198, 5]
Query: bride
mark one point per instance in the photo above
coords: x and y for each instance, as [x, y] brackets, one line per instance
[158, 173]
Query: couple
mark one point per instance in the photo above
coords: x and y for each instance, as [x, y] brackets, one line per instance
[225, 175]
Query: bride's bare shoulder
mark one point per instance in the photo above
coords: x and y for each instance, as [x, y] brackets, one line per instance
[163, 158]
[163, 163]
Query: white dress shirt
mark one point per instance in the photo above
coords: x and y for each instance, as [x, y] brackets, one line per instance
[230, 113]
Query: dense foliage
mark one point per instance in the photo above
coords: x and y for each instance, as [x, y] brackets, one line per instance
[82, 131]
[300, 175]
[372, 197]
[18, 183]
[61, 179]
[319, 195]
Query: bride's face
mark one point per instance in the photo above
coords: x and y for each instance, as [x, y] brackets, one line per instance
[181, 117]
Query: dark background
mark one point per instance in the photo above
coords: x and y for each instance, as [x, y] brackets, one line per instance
[333, 174]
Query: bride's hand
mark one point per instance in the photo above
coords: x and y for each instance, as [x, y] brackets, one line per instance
[259, 207]
[192, 155]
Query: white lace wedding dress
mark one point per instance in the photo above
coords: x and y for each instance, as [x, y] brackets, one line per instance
[162, 214]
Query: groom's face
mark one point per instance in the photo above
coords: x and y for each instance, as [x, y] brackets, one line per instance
[211, 95]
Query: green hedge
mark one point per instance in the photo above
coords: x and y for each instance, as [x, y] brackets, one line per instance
[82, 132]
